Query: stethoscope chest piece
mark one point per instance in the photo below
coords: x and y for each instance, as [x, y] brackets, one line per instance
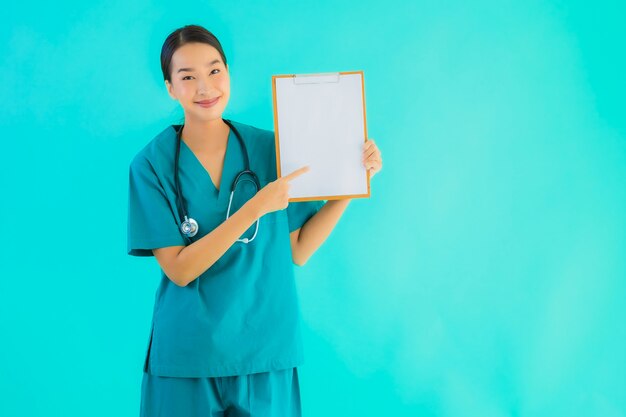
[189, 227]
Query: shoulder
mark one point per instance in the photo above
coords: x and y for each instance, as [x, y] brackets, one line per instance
[153, 153]
[261, 146]
[255, 135]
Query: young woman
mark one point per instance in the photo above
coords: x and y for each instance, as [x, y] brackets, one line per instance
[225, 336]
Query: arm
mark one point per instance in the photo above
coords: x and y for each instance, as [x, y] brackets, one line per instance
[183, 264]
[306, 240]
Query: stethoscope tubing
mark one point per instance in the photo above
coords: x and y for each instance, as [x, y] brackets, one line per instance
[189, 227]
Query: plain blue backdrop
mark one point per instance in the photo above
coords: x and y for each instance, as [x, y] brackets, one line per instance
[485, 276]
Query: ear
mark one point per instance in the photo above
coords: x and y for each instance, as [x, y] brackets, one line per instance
[170, 90]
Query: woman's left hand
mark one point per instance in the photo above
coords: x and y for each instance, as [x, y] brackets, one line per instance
[372, 158]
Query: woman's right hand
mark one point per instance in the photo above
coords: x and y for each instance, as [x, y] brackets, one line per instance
[275, 195]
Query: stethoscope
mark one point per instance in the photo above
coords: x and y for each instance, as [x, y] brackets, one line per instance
[189, 227]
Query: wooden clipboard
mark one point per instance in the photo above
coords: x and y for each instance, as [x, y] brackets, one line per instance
[359, 181]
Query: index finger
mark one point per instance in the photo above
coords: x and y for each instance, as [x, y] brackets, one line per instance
[296, 173]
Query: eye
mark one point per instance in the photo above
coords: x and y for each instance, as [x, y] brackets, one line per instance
[185, 77]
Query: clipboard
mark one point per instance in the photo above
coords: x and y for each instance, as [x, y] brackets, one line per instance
[319, 120]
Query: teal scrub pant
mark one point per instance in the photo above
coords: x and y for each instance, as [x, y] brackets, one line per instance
[274, 394]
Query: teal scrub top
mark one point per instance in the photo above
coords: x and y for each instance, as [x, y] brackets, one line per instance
[241, 316]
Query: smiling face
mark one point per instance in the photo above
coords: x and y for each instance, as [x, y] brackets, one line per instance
[199, 74]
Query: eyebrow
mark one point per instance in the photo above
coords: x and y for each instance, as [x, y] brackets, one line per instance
[215, 61]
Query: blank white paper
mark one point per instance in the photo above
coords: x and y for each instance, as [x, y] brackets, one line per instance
[321, 124]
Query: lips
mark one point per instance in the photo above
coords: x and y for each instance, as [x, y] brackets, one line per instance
[208, 103]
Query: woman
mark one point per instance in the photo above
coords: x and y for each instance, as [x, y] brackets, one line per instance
[225, 337]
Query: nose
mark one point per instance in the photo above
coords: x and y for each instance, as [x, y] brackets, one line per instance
[204, 85]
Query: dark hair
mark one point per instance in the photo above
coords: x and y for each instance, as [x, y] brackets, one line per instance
[181, 36]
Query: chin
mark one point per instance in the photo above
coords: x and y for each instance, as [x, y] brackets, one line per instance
[208, 116]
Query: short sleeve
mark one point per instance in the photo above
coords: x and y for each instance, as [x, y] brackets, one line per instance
[300, 211]
[151, 221]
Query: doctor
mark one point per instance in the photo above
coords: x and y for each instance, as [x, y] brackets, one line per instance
[225, 334]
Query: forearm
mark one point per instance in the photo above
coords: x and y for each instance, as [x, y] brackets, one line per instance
[196, 258]
[315, 231]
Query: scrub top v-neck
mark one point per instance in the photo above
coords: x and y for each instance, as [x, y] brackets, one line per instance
[184, 148]
[241, 316]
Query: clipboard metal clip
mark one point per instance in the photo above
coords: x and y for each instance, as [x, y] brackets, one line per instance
[319, 78]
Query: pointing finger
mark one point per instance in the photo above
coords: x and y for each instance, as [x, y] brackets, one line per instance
[297, 173]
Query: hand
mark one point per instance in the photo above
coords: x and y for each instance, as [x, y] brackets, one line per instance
[372, 158]
[275, 195]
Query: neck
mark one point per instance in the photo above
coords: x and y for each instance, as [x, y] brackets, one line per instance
[205, 134]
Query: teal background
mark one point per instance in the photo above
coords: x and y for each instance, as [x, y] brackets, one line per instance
[484, 277]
